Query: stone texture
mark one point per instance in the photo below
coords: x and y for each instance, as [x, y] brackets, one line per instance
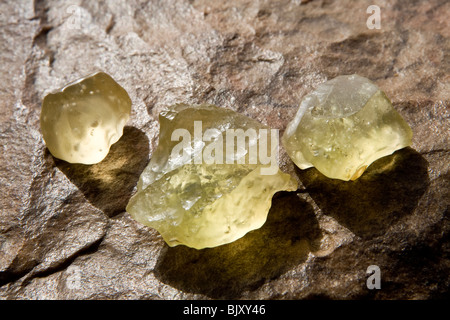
[64, 232]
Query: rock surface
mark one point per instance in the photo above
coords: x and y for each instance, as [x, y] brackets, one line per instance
[64, 233]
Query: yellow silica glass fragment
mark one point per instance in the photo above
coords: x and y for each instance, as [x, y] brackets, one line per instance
[203, 203]
[343, 126]
[81, 121]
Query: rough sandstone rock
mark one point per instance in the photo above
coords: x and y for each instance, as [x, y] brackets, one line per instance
[64, 232]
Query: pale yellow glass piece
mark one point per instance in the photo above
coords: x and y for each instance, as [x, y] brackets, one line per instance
[204, 205]
[80, 122]
[343, 126]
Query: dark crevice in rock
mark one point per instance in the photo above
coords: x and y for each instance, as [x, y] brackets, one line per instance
[24, 277]
[43, 229]
[62, 265]
[12, 275]
[29, 256]
[28, 261]
[111, 24]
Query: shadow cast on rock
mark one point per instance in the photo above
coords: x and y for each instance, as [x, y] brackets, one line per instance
[108, 185]
[289, 234]
[389, 189]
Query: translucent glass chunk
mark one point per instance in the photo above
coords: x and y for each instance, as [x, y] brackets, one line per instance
[81, 121]
[198, 202]
[343, 126]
